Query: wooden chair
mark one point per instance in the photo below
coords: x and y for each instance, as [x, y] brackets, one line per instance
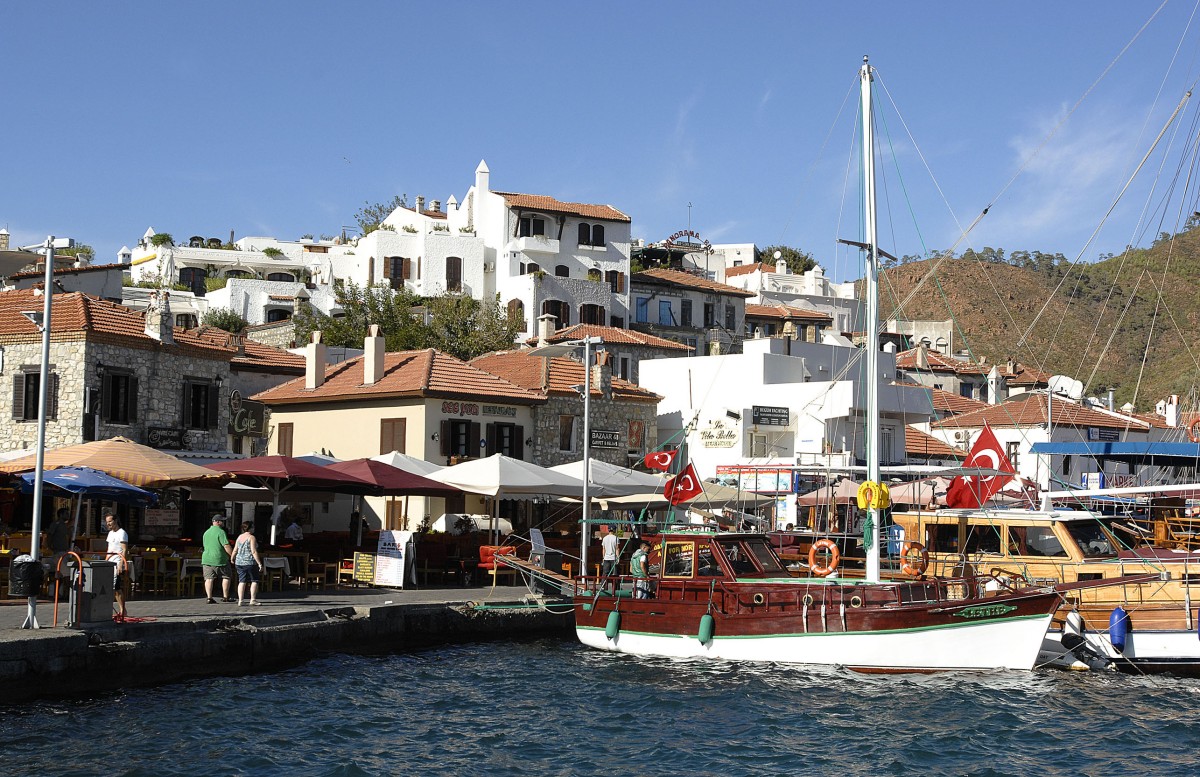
[433, 560]
[488, 562]
[315, 575]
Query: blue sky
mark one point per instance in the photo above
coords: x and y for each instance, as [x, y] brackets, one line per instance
[274, 118]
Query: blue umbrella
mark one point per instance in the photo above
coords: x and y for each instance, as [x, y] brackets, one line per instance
[89, 482]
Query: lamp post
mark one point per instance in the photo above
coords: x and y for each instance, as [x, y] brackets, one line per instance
[35, 544]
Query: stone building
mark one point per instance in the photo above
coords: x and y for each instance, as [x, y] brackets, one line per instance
[628, 348]
[706, 316]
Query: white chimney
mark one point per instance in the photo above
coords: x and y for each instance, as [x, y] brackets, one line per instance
[420, 203]
[451, 204]
[922, 358]
[993, 386]
[373, 350]
[482, 177]
[124, 256]
[435, 206]
[1172, 414]
[160, 324]
[546, 327]
[314, 362]
[781, 267]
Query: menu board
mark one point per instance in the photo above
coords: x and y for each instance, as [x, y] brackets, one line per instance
[391, 558]
[364, 567]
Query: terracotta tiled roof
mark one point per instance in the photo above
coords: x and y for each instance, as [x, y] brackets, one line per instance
[784, 312]
[611, 334]
[69, 270]
[1024, 375]
[551, 205]
[947, 402]
[661, 276]
[257, 355]
[1030, 410]
[426, 373]
[433, 214]
[939, 362]
[918, 443]
[553, 375]
[745, 269]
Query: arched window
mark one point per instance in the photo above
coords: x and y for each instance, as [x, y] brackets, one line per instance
[516, 310]
[594, 275]
[454, 273]
[532, 267]
[591, 314]
[598, 235]
[238, 274]
[277, 314]
[562, 271]
[559, 310]
[281, 276]
[585, 234]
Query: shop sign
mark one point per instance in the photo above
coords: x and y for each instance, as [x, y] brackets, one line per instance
[765, 415]
[500, 410]
[1096, 434]
[601, 438]
[718, 435]
[247, 418]
[164, 438]
[460, 408]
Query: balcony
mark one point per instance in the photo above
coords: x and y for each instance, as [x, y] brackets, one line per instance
[537, 244]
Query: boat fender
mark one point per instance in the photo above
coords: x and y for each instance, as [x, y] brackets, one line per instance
[1118, 629]
[614, 625]
[707, 625]
[835, 556]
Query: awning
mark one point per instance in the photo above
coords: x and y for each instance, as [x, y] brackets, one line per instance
[1162, 454]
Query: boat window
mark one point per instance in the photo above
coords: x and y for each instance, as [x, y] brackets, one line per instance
[982, 539]
[942, 538]
[766, 558]
[706, 563]
[739, 557]
[1034, 541]
[677, 559]
[1092, 539]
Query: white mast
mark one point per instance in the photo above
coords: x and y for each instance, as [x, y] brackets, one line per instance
[871, 289]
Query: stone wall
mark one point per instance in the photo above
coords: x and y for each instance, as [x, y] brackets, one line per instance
[66, 362]
[606, 414]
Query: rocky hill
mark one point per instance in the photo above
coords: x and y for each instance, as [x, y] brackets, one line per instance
[1100, 322]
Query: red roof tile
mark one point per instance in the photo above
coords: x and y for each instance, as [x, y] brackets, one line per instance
[939, 362]
[554, 375]
[662, 276]
[918, 443]
[745, 269]
[785, 312]
[426, 373]
[947, 402]
[69, 270]
[611, 334]
[551, 205]
[1030, 410]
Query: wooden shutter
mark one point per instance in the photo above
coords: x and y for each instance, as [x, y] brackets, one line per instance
[106, 399]
[444, 436]
[371, 271]
[620, 282]
[18, 397]
[52, 397]
[405, 268]
[473, 439]
[132, 399]
[519, 444]
[214, 407]
[284, 444]
[490, 433]
[387, 267]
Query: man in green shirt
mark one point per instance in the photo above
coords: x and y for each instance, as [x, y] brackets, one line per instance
[639, 568]
[215, 559]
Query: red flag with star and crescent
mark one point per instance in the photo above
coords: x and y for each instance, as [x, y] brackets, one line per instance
[974, 490]
[684, 486]
[660, 460]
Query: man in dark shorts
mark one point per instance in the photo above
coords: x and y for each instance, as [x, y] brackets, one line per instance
[118, 553]
[215, 559]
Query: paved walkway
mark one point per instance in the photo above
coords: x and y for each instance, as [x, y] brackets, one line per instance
[13, 610]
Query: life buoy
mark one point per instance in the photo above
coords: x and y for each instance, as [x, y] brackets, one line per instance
[910, 566]
[1194, 431]
[835, 556]
[873, 496]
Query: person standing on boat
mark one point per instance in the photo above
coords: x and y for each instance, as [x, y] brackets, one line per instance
[608, 544]
[639, 568]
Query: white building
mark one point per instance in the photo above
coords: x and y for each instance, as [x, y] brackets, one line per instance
[810, 290]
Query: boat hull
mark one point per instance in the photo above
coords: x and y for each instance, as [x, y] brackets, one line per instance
[1146, 651]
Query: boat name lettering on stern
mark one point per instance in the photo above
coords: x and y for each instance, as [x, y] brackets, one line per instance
[985, 611]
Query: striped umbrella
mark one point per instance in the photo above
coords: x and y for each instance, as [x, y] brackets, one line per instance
[124, 459]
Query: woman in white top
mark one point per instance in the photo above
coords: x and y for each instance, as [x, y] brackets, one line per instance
[249, 565]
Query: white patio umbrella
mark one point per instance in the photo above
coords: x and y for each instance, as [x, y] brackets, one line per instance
[610, 480]
[408, 463]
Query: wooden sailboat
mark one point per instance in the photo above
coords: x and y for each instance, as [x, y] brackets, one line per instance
[728, 596]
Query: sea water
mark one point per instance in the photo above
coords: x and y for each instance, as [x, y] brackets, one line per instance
[551, 707]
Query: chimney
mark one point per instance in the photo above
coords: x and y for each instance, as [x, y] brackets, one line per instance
[601, 378]
[1172, 414]
[922, 359]
[451, 204]
[420, 203]
[373, 351]
[436, 206]
[159, 323]
[124, 256]
[546, 327]
[482, 177]
[314, 362]
[1112, 400]
[237, 342]
[993, 386]
[781, 267]
[3, 239]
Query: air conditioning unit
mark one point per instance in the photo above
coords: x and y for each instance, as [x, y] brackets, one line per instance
[962, 436]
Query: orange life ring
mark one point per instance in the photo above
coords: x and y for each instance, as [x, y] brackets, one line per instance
[908, 565]
[835, 556]
[1194, 431]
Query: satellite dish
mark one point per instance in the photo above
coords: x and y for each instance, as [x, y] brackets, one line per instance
[1066, 386]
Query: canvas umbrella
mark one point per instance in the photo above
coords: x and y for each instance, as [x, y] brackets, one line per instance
[279, 474]
[124, 459]
[408, 463]
[92, 483]
[919, 492]
[609, 480]
[844, 492]
[391, 481]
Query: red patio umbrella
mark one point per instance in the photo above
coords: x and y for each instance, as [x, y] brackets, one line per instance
[392, 481]
[281, 473]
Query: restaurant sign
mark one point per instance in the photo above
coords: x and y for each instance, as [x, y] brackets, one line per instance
[601, 438]
[1096, 434]
[247, 418]
[718, 435]
[765, 415]
[164, 438]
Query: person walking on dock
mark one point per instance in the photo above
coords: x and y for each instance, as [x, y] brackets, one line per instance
[249, 565]
[118, 553]
[215, 559]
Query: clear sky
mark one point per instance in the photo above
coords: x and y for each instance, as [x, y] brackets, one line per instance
[283, 118]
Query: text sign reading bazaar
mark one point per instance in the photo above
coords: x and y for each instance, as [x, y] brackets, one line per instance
[765, 415]
[604, 439]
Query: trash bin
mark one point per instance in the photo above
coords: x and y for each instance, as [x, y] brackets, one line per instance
[91, 600]
[25, 576]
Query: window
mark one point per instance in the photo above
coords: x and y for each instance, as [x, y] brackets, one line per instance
[642, 310]
[616, 281]
[559, 310]
[562, 271]
[566, 433]
[1013, 451]
[454, 273]
[591, 314]
[729, 318]
[677, 559]
[598, 235]
[966, 390]
[685, 312]
[186, 321]
[527, 226]
[665, 316]
[238, 274]
[594, 275]
[283, 446]
[982, 539]
[27, 395]
[516, 310]
[391, 435]
[625, 369]
[281, 276]
[887, 446]
[1034, 541]
[591, 235]
[942, 538]
[193, 278]
[396, 270]
[118, 398]
[532, 267]
[278, 314]
[710, 315]
[459, 438]
[617, 322]
[507, 439]
[201, 406]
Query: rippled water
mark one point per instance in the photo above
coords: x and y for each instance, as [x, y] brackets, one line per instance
[553, 708]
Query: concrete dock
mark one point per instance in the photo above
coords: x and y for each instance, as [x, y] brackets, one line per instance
[174, 639]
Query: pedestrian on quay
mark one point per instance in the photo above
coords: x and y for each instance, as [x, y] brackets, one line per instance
[215, 559]
[118, 553]
[249, 565]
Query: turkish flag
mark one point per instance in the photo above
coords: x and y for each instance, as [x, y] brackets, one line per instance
[660, 460]
[684, 486]
[974, 490]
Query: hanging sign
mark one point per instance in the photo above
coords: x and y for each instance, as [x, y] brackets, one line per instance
[718, 435]
[247, 418]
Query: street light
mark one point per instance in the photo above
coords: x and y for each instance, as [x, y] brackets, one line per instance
[35, 545]
[560, 349]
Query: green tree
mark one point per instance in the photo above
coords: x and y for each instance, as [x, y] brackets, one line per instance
[371, 215]
[79, 251]
[798, 261]
[392, 310]
[466, 327]
[224, 318]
